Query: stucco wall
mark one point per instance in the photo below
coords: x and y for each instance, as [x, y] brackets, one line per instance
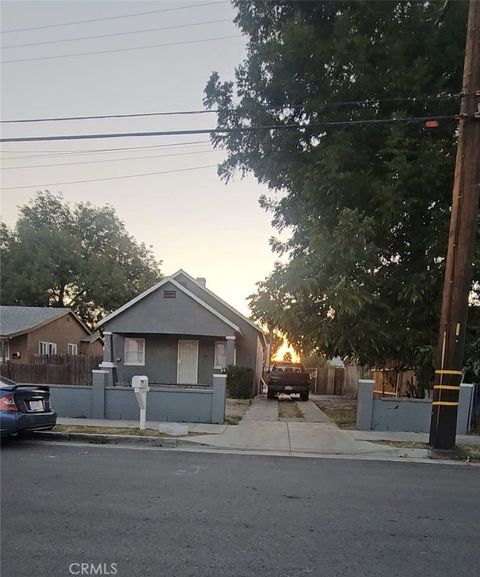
[404, 414]
[61, 331]
[180, 404]
[161, 353]
[158, 315]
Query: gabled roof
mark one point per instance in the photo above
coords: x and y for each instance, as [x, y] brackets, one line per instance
[179, 287]
[91, 338]
[16, 320]
[212, 294]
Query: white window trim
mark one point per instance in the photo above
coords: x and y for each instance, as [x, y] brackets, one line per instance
[142, 364]
[215, 363]
[75, 348]
[53, 345]
[6, 344]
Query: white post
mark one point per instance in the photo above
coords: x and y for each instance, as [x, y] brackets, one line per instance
[140, 387]
[143, 419]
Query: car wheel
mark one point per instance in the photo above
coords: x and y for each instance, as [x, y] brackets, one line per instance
[270, 395]
[304, 396]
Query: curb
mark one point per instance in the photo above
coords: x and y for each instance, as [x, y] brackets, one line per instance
[101, 439]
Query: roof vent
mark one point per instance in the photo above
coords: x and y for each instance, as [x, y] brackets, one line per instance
[169, 294]
[202, 281]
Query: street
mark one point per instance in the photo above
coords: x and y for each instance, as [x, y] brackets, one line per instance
[136, 512]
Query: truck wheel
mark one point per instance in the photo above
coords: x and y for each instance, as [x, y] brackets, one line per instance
[270, 395]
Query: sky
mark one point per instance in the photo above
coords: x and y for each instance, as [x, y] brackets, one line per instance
[191, 218]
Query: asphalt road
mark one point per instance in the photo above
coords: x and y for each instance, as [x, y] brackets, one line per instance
[172, 514]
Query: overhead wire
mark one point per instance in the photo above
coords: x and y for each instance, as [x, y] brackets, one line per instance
[101, 150]
[120, 16]
[326, 124]
[117, 34]
[110, 177]
[113, 159]
[332, 104]
[112, 51]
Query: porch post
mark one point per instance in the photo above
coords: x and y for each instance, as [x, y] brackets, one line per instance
[108, 363]
[231, 346]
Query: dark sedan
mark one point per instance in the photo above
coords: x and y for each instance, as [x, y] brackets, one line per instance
[24, 408]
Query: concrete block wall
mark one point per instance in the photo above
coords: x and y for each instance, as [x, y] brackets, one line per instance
[404, 414]
[172, 403]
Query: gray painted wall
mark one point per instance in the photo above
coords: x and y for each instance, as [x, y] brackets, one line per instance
[247, 343]
[159, 315]
[179, 404]
[403, 414]
[161, 352]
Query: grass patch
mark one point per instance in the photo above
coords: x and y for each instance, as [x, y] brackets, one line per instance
[134, 431]
[289, 410]
[233, 419]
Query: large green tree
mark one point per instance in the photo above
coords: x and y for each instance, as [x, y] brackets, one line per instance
[80, 257]
[366, 205]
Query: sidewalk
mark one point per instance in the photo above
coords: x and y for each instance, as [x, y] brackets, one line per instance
[260, 431]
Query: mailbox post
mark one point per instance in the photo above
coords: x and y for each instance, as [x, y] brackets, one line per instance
[140, 388]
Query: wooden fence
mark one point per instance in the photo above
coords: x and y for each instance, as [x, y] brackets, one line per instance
[337, 381]
[53, 369]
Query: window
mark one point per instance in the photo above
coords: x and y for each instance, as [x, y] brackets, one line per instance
[72, 349]
[220, 355]
[134, 352]
[4, 350]
[45, 348]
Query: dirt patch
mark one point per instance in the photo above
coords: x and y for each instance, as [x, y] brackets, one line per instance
[341, 410]
[133, 431]
[289, 410]
[462, 452]
[235, 410]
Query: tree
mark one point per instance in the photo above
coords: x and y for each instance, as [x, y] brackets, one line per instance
[367, 205]
[80, 257]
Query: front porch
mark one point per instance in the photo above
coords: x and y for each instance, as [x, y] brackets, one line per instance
[180, 359]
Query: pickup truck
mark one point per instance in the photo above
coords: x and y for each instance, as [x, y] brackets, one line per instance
[289, 378]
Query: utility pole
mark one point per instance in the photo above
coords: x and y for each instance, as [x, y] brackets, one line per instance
[461, 243]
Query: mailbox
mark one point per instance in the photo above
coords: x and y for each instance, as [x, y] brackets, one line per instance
[140, 388]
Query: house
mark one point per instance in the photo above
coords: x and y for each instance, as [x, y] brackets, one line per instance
[180, 332]
[29, 331]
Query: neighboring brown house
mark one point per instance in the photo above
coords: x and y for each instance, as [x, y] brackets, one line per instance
[29, 331]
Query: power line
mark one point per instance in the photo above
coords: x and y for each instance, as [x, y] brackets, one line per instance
[110, 177]
[111, 17]
[341, 123]
[104, 116]
[104, 150]
[113, 159]
[193, 112]
[118, 33]
[119, 49]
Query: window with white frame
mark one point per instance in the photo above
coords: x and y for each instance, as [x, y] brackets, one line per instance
[4, 350]
[45, 348]
[134, 352]
[220, 361]
[72, 349]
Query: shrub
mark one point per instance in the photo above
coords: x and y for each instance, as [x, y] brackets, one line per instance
[239, 382]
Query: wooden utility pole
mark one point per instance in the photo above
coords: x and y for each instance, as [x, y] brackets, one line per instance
[461, 243]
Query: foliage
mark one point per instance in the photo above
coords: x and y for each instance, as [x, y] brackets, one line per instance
[239, 382]
[287, 357]
[367, 205]
[80, 257]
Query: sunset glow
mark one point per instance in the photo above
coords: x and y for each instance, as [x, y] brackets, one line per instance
[286, 348]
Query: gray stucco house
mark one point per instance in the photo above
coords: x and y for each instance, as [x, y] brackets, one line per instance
[179, 332]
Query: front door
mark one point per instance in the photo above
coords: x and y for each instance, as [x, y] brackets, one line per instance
[187, 363]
